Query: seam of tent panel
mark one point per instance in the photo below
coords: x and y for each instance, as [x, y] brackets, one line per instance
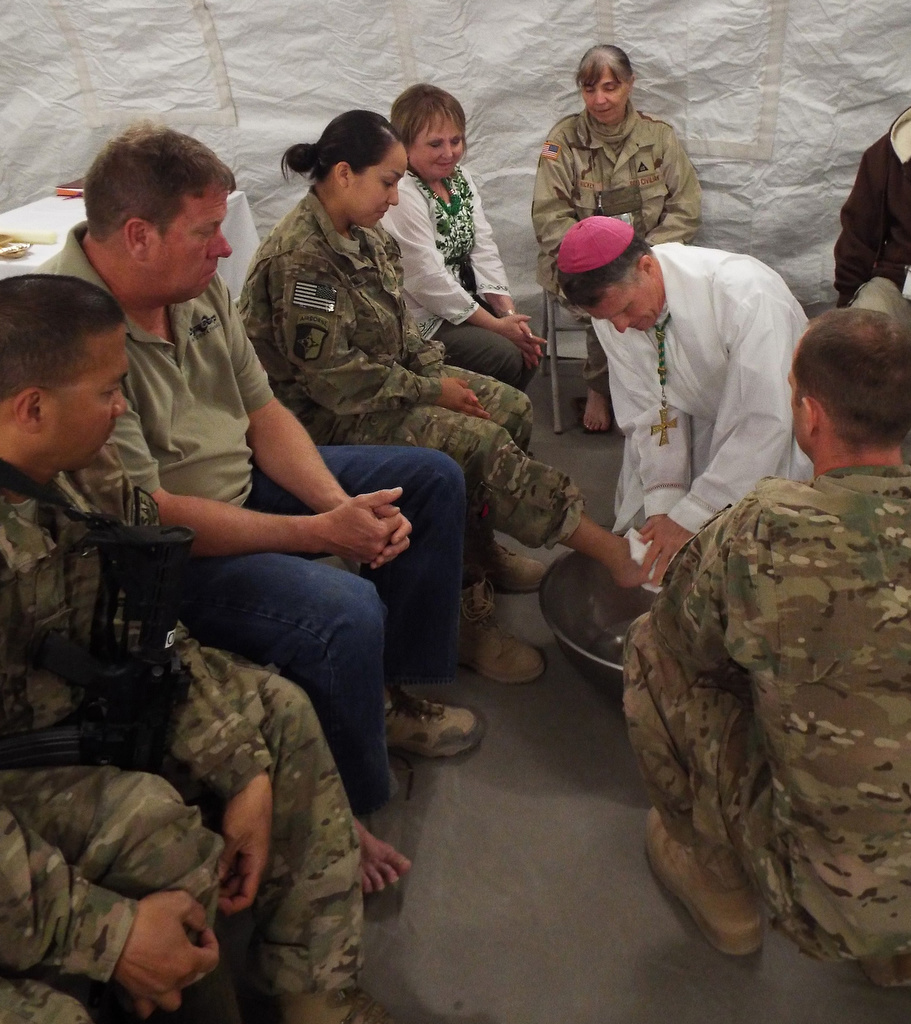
[404, 40]
[762, 146]
[98, 116]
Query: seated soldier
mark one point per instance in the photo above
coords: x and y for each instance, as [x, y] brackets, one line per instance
[204, 434]
[106, 873]
[767, 692]
[324, 308]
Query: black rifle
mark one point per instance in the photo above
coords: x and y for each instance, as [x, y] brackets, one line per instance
[131, 675]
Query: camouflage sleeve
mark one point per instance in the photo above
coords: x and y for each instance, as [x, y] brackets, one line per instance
[553, 211]
[343, 361]
[215, 732]
[682, 212]
[702, 612]
[51, 914]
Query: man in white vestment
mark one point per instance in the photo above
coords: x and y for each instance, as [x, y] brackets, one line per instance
[699, 344]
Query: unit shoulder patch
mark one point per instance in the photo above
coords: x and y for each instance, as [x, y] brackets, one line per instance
[550, 151]
[309, 335]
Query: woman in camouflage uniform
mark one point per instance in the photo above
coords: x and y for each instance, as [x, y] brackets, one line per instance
[324, 308]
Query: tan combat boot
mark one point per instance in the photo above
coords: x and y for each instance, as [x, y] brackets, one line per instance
[888, 971]
[429, 727]
[346, 1006]
[717, 895]
[509, 572]
[486, 647]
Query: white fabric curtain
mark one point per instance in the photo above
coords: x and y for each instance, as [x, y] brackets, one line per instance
[774, 100]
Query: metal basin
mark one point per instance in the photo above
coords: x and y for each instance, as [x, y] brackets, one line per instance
[589, 615]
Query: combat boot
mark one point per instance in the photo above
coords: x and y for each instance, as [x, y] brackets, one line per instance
[428, 727]
[888, 971]
[486, 647]
[509, 572]
[715, 890]
[345, 1006]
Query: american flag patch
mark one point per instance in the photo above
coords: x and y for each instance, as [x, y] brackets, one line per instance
[314, 296]
[551, 151]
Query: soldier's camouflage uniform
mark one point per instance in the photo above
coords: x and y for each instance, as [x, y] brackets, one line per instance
[80, 845]
[636, 169]
[328, 320]
[768, 697]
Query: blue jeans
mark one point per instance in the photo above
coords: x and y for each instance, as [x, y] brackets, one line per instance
[341, 636]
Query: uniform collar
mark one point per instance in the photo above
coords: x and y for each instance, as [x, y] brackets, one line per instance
[594, 135]
[350, 248]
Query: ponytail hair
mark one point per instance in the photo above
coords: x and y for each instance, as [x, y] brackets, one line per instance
[359, 138]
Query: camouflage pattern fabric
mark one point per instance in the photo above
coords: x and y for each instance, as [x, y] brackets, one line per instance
[25, 1000]
[507, 489]
[82, 844]
[328, 320]
[637, 167]
[360, 373]
[309, 909]
[767, 701]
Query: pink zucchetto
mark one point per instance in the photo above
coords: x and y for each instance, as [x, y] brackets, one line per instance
[592, 243]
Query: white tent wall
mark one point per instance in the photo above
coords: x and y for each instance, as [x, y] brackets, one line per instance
[774, 100]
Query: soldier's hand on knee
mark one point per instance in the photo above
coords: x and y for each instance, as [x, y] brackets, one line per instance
[170, 946]
[246, 828]
[458, 397]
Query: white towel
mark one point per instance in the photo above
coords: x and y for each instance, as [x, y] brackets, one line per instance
[637, 550]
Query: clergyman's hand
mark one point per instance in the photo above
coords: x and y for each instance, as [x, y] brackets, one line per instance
[666, 538]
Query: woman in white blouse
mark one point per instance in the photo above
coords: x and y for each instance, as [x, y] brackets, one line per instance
[455, 284]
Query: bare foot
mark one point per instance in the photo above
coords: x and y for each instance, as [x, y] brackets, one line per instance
[381, 864]
[597, 415]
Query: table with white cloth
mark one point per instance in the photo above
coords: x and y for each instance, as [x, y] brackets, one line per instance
[59, 213]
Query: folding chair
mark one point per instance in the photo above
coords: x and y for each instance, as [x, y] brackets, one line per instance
[554, 320]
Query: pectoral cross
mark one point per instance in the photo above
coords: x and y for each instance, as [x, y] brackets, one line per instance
[663, 427]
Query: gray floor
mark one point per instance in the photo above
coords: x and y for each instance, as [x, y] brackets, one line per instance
[530, 901]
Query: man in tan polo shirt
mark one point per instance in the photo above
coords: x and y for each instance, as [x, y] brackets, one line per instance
[217, 451]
